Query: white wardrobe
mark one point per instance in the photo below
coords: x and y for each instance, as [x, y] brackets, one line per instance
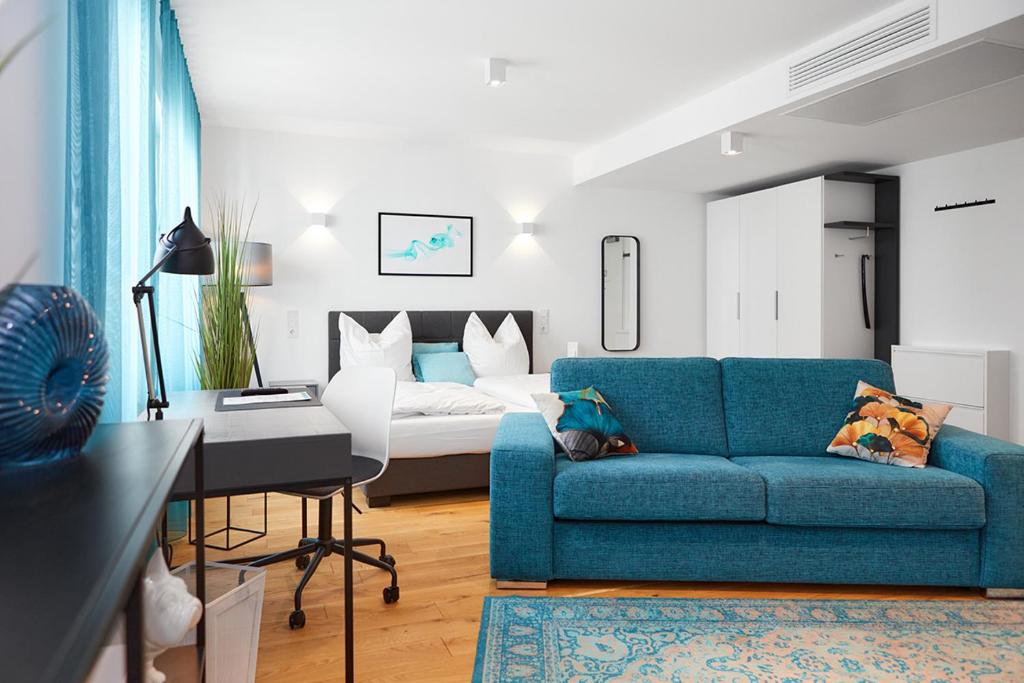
[782, 284]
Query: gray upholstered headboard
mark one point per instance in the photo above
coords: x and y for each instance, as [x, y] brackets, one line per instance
[427, 326]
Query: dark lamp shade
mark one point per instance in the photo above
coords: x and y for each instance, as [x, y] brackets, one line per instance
[193, 254]
[258, 258]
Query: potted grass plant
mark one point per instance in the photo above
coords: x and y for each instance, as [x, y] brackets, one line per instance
[226, 356]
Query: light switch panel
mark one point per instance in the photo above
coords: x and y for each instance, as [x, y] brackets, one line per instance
[543, 320]
[293, 324]
[572, 349]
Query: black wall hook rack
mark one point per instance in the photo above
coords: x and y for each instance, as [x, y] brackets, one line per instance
[964, 205]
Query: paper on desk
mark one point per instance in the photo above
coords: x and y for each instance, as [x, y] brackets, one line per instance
[267, 398]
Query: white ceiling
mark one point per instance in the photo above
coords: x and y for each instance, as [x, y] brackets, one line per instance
[580, 70]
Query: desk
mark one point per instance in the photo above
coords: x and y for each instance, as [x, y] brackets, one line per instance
[76, 537]
[252, 451]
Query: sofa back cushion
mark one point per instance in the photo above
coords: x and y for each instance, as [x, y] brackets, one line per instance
[666, 405]
[777, 406]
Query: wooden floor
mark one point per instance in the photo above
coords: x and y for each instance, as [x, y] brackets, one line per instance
[440, 542]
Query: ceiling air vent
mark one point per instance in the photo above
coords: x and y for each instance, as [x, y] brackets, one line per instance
[893, 35]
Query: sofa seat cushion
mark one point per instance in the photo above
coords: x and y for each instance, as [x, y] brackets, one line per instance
[657, 487]
[841, 492]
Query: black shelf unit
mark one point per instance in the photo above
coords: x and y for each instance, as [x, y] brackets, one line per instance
[860, 225]
[77, 536]
[887, 254]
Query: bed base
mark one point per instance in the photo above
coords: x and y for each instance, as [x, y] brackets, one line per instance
[446, 472]
[428, 475]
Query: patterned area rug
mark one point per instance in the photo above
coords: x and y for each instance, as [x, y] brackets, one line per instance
[657, 640]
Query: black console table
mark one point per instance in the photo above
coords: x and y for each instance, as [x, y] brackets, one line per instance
[76, 537]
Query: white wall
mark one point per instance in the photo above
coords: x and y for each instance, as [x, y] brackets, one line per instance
[32, 97]
[317, 270]
[962, 271]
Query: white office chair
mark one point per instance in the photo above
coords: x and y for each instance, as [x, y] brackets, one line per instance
[362, 398]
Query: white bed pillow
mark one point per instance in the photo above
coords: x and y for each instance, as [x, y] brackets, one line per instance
[392, 348]
[503, 354]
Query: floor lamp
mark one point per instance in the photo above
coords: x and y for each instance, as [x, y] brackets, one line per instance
[184, 250]
[259, 272]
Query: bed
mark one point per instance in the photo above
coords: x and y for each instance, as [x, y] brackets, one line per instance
[433, 452]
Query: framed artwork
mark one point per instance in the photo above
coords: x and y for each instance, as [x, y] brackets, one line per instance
[424, 244]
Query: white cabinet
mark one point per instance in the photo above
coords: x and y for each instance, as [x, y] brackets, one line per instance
[723, 290]
[974, 381]
[758, 213]
[794, 285]
[799, 269]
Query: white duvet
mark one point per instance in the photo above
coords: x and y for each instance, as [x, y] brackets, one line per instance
[515, 389]
[443, 398]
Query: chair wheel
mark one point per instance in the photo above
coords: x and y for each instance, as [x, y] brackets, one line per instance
[296, 619]
[390, 595]
[302, 561]
[387, 559]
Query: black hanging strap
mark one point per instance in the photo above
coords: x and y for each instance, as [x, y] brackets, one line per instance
[864, 289]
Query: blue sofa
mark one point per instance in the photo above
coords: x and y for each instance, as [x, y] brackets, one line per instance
[733, 484]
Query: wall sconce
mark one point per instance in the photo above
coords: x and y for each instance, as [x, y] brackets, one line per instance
[527, 228]
[318, 220]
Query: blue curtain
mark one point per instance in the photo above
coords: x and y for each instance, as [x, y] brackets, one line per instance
[132, 167]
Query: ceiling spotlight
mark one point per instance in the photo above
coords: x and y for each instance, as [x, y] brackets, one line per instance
[732, 143]
[494, 75]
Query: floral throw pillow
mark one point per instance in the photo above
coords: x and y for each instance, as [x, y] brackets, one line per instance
[889, 429]
[583, 424]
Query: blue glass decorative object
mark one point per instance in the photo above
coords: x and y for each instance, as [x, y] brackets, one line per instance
[53, 373]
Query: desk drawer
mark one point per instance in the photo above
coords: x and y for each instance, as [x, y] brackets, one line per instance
[941, 376]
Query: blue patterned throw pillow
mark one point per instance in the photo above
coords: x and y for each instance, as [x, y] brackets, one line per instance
[583, 424]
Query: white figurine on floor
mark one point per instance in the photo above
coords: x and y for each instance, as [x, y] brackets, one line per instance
[170, 612]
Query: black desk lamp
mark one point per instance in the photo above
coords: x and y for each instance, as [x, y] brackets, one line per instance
[184, 250]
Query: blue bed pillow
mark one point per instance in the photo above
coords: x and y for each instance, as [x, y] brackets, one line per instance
[423, 348]
[447, 366]
[434, 347]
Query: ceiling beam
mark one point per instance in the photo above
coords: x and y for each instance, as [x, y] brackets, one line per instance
[765, 90]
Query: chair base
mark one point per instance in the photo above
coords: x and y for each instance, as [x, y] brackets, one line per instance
[521, 585]
[1004, 593]
[311, 552]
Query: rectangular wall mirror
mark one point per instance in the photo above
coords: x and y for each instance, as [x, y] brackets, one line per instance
[620, 295]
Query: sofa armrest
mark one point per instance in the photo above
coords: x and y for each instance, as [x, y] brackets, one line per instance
[522, 513]
[999, 467]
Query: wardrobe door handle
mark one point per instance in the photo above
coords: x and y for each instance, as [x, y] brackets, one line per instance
[737, 305]
[776, 304]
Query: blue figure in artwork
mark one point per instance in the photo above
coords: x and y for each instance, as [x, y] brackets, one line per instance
[418, 248]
